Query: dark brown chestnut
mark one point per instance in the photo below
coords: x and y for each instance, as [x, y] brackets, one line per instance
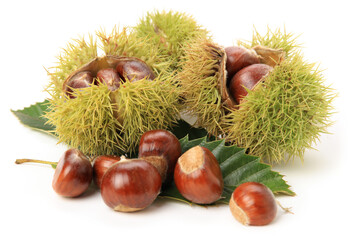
[253, 203]
[73, 173]
[247, 78]
[134, 70]
[130, 185]
[110, 77]
[198, 176]
[110, 70]
[80, 80]
[162, 149]
[239, 57]
[101, 165]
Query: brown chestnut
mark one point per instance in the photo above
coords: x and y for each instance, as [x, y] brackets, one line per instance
[80, 80]
[109, 77]
[101, 165]
[247, 78]
[239, 57]
[253, 203]
[162, 149]
[130, 185]
[110, 70]
[134, 70]
[73, 174]
[198, 176]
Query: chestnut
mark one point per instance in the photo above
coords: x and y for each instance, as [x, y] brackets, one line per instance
[80, 80]
[253, 203]
[247, 78]
[162, 149]
[198, 176]
[130, 185]
[109, 77]
[73, 174]
[101, 165]
[239, 57]
[134, 70]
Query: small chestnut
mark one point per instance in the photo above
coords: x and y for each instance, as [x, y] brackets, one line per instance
[134, 70]
[80, 80]
[130, 185]
[109, 77]
[73, 173]
[162, 149]
[239, 57]
[247, 78]
[198, 176]
[253, 203]
[101, 165]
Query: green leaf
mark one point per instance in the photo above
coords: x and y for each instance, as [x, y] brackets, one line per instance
[32, 117]
[237, 168]
[183, 129]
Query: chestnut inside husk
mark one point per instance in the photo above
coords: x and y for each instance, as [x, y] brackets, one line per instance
[109, 70]
[108, 116]
[265, 55]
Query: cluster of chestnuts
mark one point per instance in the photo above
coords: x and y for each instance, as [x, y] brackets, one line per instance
[129, 185]
[110, 70]
[244, 71]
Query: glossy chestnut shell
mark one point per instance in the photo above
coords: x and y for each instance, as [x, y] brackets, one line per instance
[130, 185]
[73, 174]
[110, 77]
[247, 78]
[105, 69]
[134, 70]
[198, 176]
[239, 57]
[253, 203]
[161, 148]
[80, 80]
[101, 165]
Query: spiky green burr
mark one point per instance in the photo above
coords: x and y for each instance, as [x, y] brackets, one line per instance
[285, 114]
[99, 121]
[201, 78]
[280, 118]
[170, 31]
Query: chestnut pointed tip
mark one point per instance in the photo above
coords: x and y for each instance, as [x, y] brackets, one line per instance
[192, 160]
[198, 176]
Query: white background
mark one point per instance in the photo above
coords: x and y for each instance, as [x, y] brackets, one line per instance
[32, 34]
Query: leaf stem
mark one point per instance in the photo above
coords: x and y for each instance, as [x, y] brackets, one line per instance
[25, 160]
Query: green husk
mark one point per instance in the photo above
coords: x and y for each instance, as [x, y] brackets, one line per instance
[170, 31]
[77, 53]
[201, 71]
[90, 121]
[275, 39]
[277, 120]
[86, 122]
[146, 105]
[285, 114]
[126, 42]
